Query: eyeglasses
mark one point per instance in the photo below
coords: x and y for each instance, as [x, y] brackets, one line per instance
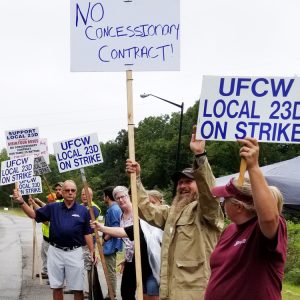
[70, 190]
[121, 197]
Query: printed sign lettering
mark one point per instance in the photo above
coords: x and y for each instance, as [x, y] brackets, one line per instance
[267, 108]
[22, 142]
[40, 166]
[78, 153]
[15, 170]
[31, 186]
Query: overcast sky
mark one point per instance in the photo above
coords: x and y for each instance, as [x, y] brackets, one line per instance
[224, 37]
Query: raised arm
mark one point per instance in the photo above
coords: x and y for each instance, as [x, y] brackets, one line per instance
[39, 202]
[25, 207]
[154, 214]
[264, 201]
[209, 207]
[201, 162]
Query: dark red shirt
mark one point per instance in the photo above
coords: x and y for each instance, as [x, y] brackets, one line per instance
[246, 265]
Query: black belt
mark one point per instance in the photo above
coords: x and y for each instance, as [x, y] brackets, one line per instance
[64, 248]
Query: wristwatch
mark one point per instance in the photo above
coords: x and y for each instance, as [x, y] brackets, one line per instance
[202, 154]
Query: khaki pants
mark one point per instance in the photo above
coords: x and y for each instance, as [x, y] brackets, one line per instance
[110, 261]
[44, 252]
[87, 266]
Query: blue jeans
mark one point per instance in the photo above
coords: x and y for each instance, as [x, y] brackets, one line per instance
[150, 287]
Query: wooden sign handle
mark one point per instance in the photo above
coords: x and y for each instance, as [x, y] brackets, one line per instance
[49, 189]
[243, 168]
[131, 148]
[99, 245]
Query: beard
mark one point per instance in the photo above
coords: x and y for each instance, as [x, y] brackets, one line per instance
[59, 197]
[182, 200]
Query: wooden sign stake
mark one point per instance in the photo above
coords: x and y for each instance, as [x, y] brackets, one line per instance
[243, 168]
[100, 248]
[49, 189]
[136, 227]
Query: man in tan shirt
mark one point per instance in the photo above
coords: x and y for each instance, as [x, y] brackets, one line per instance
[191, 225]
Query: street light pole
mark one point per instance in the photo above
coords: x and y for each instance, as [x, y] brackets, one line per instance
[179, 137]
[11, 201]
[181, 106]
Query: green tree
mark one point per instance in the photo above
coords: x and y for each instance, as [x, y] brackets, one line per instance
[5, 190]
[156, 140]
[292, 266]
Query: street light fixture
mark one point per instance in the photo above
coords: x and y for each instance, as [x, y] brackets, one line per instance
[181, 106]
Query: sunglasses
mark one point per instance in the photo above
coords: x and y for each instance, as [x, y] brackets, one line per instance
[70, 190]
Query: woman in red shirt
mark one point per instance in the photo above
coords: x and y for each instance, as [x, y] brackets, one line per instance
[248, 261]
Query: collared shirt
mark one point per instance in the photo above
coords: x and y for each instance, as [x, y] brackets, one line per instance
[112, 219]
[68, 226]
[190, 235]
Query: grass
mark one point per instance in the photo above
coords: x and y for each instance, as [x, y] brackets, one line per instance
[290, 292]
[13, 211]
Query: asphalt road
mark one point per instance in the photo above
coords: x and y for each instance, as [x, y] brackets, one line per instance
[16, 256]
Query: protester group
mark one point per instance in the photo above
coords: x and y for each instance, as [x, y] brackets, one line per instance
[187, 252]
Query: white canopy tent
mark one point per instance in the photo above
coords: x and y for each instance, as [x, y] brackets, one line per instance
[285, 175]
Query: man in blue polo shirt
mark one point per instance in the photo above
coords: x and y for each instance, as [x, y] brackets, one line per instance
[69, 231]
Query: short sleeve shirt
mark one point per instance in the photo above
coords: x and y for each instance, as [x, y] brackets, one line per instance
[112, 219]
[68, 226]
[246, 265]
